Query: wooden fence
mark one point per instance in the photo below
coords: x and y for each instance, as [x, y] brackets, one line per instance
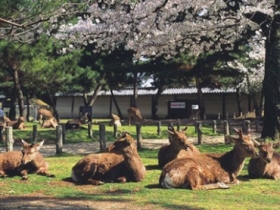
[221, 126]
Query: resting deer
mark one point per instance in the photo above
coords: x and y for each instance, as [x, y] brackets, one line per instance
[178, 147]
[17, 124]
[29, 160]
[120, 164]
[134, 113]
[267, 165]
[206, 171]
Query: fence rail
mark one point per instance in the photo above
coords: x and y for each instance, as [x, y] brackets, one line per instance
[218, 126]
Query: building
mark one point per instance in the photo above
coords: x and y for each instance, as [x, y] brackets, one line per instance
[174, 103]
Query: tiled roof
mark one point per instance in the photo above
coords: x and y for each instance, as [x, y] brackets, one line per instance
[170, 91]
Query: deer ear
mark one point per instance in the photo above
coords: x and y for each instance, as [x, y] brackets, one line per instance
[39, 145]
[24, 143]
[239, 132]
[185, 129]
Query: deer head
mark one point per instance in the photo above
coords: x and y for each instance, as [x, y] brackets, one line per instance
[29, 151]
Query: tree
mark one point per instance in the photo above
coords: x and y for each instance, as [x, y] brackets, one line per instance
[166, 28]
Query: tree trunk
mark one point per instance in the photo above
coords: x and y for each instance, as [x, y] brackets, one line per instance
[239, 102]
[155, 103]
[53, 105]
[135, 91]
[19, 93]
[271, 83]
[116, 104]
[200, 99]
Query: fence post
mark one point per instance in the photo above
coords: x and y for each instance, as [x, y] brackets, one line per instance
[178, 125]
[59, 139]
[170, 124]
[9, 139]
[159, 128]
[63, 133]
[246, 126]
[89, 129]
[199, 132]
[226, 127]
[257, 125]
[139, 136]
[214, 126]
[102, 137]
[34, 133]
[115, 130]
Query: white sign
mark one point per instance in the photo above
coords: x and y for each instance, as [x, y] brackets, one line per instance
[195, 106]
[177, 105]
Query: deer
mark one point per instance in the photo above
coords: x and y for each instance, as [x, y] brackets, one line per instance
[29, 160]
[115, 120]
[178, 147]
[119, 163]
[134, 113]
[206, 171]
[44, 114]
[16, 124]
[267, 165]
[49, 123]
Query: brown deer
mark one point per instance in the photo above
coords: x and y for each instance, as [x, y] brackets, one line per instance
[267, 165]
[44, 114]
[206, 171]
[17, 124]
[49, 123]
[178, 147]
[29, 160]
[134, 113]
[115, 120]
[121, 163]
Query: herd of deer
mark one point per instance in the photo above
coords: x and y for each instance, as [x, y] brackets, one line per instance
[182, 164]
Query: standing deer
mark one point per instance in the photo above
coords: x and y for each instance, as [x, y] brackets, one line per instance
[178, 147]
[134, 113]
[206, 171]
[121, 163]
[29, 160]
[267, 165]
[44, 114]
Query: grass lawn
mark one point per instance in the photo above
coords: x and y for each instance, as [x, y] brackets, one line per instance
[250, 194]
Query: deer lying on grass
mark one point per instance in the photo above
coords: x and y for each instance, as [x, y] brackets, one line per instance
[206, 171]
[267, 165]
[179, 147]
[29, 160]
[49, 123]
[134, 113]
[121, 163]
[17, 124]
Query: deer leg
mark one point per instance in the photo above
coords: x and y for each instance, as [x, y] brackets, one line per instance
[43, 172]
[94, 182]
[3, 174]
[218, 185]
[24, 174]
[121, 179]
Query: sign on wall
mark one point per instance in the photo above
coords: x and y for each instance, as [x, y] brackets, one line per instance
[177, 105]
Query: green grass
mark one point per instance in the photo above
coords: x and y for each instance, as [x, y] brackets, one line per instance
[250, 194]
